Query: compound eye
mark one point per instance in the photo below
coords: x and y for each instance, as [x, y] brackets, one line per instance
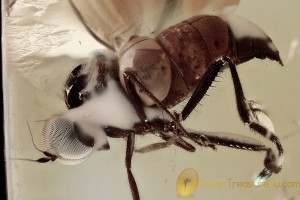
[89, 79]
[74, 85]
[66, 140]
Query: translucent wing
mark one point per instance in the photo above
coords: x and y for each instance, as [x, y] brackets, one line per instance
[110, 20]
[107, 19]
[41, 47]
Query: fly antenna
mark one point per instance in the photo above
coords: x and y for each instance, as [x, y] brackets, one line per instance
[33, 139]
[40, 160]
[49, 156]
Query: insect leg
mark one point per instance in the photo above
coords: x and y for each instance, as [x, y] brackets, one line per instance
[129, 152]
[244, 107]
[130, 135]
[137, 103]
[246, 110]
[205, 82]
[121, 133]
[177, 128]
[215, 138]
[245, 143]
[247, 114]
[154, 147]
[169, 140]
[231, 140]
[168, 132]
[116, 132]
[155, 129]
[131, 77]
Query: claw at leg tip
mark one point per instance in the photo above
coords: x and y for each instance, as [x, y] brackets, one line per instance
[263, 177]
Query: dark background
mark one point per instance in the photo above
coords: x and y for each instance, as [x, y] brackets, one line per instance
[2, 163]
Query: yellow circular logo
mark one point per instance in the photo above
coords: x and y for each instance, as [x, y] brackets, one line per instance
[187, 182]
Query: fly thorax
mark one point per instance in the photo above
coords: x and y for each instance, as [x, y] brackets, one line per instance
[146, 59]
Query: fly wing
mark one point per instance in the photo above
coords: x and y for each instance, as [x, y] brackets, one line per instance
[110, 20]
[107, 19]
[40, 47]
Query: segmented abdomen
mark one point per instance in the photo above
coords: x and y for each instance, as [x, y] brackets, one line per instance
[192, 45]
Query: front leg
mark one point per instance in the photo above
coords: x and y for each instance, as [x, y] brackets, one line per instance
[130, 135]
[136, 101]
[129, 152]
[132, 79]
[159, 128]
